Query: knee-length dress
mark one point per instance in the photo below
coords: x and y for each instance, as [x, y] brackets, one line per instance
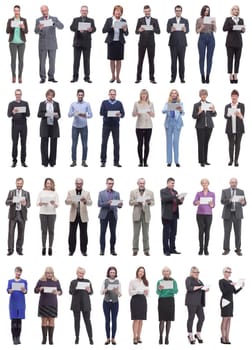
[48, 302]
[226, 302]
[17, 299]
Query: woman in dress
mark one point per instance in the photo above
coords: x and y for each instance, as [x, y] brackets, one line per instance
[206, 42]
[205, 201]
[49, 287]
[48, 201]
[228, 288]
[111, 289]
[174, 111]
[138, 290]
[116, 28]
[166, 289]
[144, 111]
[17, 288]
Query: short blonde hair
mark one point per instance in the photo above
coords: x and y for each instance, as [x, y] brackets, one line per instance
[233, 7]
[204, 179]
[166, 268]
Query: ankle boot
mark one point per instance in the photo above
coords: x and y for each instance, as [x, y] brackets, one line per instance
[207, 79]
[44, 334]
[50, 335]
[160, 340]
[203, 80]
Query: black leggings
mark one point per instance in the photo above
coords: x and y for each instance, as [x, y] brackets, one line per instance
[143, 138]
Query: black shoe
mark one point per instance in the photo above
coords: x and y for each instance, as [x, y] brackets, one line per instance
[140, 164]
[206, 252]
[87, 80]
[167, 254]
[172, 81]
[52, 80]
[19, 252]
[103, 164]
[14, 164]
[50, 251]
[135, 342]
[177, 165]
[166, 340]
[112, 80]
[226, 252]
[160, 340]
[207, 79]
[230, 163]
[107, 342]
[175, 252]
[236, 164]
[238, 252]
[153, 81]
[24, 165]
[169, 164]
[202, 164]
[73, 80]
[84, 164]
[191, 340]
[91, 342]
[198, 338]
[146, 253]
[200, 252]
[207, 163]
[137, 81]
[71, 254]
[43, 251]
[118, 81]
[118, 165]
[84, 254]
[203, 80]
[135, 252]
[113, 253]
[113, 342]
[101, 252]
[145, 164]
[76, 340]
[222, 341]
[182, 81]
[15, 341]
[73, 163]
[10, 252]
[42, 81]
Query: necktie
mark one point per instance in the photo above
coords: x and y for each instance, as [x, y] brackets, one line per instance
[18, 205]
[233, 202]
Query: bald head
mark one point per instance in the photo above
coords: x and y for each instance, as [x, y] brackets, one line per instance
[233, 182]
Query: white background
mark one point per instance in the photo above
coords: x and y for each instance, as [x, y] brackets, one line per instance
[187, 177]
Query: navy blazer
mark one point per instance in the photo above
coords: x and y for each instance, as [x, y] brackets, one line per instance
[45, 129]
[177, 37]
[147, 36]
[105, 206]
[110, 30]
[239, 121]
[204, 119]
[234, 37]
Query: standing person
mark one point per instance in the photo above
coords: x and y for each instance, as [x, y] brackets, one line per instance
[166, 289]
[18, 110]
[18, 201]
[234, 113]
[234, 42]
[205, 201]
[177, 27]
[112, 111]
[81, 289]
[82, 43]
[233, 200]
[195, 302]
[48, 201]
[108, 214]
[144, 111]
[17, 288]
[203, 112]
[80, 111]
[46, 28]
[48, 286]
[49, 112]
[138, 290]
[206, 42]
[173, 124]
[17, 28]
[79, 199]
[141, 199]
[228, 288]
[146, 27]
[170, 201]
[111, 289]
[116, 28]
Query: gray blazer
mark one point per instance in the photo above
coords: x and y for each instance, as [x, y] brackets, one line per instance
[47, 35]
[12, 209]
[105, 206]
[227, 202]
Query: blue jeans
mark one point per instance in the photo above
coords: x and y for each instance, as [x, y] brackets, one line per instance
[84, 139]
[110, 310]
[172, 142]
[206, 42]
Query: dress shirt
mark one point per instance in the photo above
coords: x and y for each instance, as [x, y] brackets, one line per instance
[116, 30]
[80, 107]
[233, 193]
[48, 209]
[18, 194]
[136, 287]
[148, 20]
[233, 118]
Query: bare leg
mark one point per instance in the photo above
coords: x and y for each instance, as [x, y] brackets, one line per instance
[112, 68]
[140, 325]
[118, 65]
[135, 329]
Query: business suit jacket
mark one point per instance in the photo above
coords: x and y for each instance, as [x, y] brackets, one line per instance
[147, 36]
[239, 122]
[80, 298]
[108, 29]
[82, 39]
[234, 37]
[47, 35]
[204, 120]
[138, 207]
[103, 204]
[23, 31]
[194, 297]
[177, 38]
[167, 200]
[74, 205]
[12, 209]
[226, 201]
[44, 128]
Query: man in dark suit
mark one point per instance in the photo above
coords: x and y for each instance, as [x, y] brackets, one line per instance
[46, 28]
[233, 200]
[82, 44]
[146, 27]
[170, 214]
[108, 201]
[18, 201]
[178, 27]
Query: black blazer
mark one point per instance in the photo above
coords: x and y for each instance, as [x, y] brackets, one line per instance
[45, 129]
[167, 200]
[147, 36]
[12, 209]
[239, 122]
[204, 119]
[10, 30]
[80, 298]
[177, 38]
[234, 38]
[107, 28]
[194, 297]
[82, 39]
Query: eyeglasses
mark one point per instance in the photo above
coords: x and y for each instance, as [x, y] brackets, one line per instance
[195, 271]
[110, 183]
[228, 271]
[78, 183]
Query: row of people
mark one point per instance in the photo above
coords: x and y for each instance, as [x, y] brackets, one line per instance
[116, 29]
[49, 287]
[109, 201]
[112, 111]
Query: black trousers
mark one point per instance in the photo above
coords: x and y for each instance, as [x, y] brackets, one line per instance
[234, 146]
[83, 235]
[203, 136]
[46, 157]
[142, 47]
[204, 224]
[87, 321]
[19, 221]
[236, 223]
[192, 311]
[112, 221]
[19, 130]
[143, 139]
[85, 51]
[177, 54]
[234, 56]
[106, 130]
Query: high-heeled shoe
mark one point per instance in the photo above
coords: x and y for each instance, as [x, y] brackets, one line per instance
[139, 340]
[222, 341]
[135, 342]
[166, 340]
[191, 340]
[160, 340]
[198, 338]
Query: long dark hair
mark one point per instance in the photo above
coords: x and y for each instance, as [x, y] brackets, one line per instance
[144, 279]
[202, 12]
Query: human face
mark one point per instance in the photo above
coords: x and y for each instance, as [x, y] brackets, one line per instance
[147, 12]
[203, 96]
[49, 274]
[19, 184]
[140, 273]
[235, 11]
[171, 184]
[80, 96]
[112, 95]
[79, 184]
[166, 273]
[18, 95]
[80, 273]
[48, 185]
[174, 95]
[178, 11]
[112, 274]
[205, 184]
[18, 273]
[234, 99]
[117, 13]
[110, 185]
[44, 10]
[227, 273]
[144, 96]
[84, 11]
[49, 96]
[141, 184]
[195, 273]
[206, 13]
[16, 12]
[233, 183]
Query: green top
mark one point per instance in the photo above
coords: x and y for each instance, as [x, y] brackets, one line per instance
[16, 37]
[169, 292]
